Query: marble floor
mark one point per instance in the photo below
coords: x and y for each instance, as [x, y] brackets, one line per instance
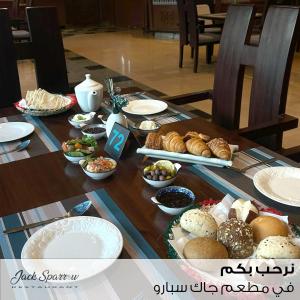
[154, 63]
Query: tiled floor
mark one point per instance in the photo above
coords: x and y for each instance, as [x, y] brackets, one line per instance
[154, 64]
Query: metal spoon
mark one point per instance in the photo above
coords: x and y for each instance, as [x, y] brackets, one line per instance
[77, 210]
[18, 148]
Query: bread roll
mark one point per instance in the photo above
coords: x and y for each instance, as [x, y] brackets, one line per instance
[204, 248]
[220, 148]
[199, 223]
[243, 210]
[265, 226]
[154, 141]
[197, 147]
[277, 247]
[237, 237]
[173, 142]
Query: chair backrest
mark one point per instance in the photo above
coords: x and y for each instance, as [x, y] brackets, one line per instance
[183, 23]
[10, 91]
[192, 20]
[188, 19]
[271, 59]
[203, 9]
[47, 49]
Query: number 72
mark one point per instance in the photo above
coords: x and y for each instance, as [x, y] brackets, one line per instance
[119, 136]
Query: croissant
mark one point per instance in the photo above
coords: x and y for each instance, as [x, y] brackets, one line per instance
[173, 142]
[197, 147]
[220, 148]
[189, 135]
[204, 137]
[154, 141]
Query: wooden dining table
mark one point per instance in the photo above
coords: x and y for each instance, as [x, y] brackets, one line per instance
[221, 16]
[44, 179]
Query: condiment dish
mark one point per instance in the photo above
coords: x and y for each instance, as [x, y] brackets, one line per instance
[178, 206]
[96, 127]
[162, 183]
[79, 124]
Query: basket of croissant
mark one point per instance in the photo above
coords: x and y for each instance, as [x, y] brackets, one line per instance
[192, 147]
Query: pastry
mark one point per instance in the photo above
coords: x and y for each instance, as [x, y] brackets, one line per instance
[243, 210]
[189, 135]
[277, 247]
[154, 141]
[204, 248]
[173, 142]
[197, 147]
[199, 223]
[194, 134]
[220, 148]
[264, 226]
[204, 137]
[237, 237]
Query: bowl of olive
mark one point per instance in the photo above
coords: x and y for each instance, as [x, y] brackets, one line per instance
[161, 174]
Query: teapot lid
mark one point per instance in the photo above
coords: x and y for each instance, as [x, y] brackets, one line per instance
[88, 83]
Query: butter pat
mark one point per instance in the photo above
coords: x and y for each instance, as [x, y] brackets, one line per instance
[148, 125]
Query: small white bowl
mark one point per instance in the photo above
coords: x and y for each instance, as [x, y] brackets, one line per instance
[80, 123]
[101, 175]
[96, 136]
[160, 184]
[174, 210]
[74, 159]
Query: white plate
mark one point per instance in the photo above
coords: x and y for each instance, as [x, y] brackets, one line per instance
[81, 237]
[281, 184]
[12, 131]
[145, 107]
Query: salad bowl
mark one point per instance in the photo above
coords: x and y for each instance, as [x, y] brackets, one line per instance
[79, 148]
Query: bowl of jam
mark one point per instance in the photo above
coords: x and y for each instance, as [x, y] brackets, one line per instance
[97, 131]
[173, 200]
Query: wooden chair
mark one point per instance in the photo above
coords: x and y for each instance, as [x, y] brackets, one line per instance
[47, 49]
[189, 33]
[207, 26]
[271, 59]
[9, 78]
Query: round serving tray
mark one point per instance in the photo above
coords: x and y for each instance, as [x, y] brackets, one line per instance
[50, 112]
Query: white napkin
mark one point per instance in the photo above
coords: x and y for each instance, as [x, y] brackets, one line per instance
[188, 158]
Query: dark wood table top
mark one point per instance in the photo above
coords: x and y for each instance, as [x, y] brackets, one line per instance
[44, 179]
[221, 16]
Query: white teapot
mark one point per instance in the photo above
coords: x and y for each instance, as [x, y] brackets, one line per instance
[89, 94]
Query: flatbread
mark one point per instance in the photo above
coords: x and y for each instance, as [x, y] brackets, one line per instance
[42, 100]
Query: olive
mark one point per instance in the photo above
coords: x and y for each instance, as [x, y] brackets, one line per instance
[155, 177]
[161, 178]
[157, 172]
[164, 172]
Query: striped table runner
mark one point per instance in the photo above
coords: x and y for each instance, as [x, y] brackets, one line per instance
[42, 140]
[135, 246]
[240, 185]
[180, 116]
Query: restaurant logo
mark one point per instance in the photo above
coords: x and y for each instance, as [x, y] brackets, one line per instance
[24, 279]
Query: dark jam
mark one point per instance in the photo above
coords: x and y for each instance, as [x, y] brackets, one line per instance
[174, 200]
[94, 130]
